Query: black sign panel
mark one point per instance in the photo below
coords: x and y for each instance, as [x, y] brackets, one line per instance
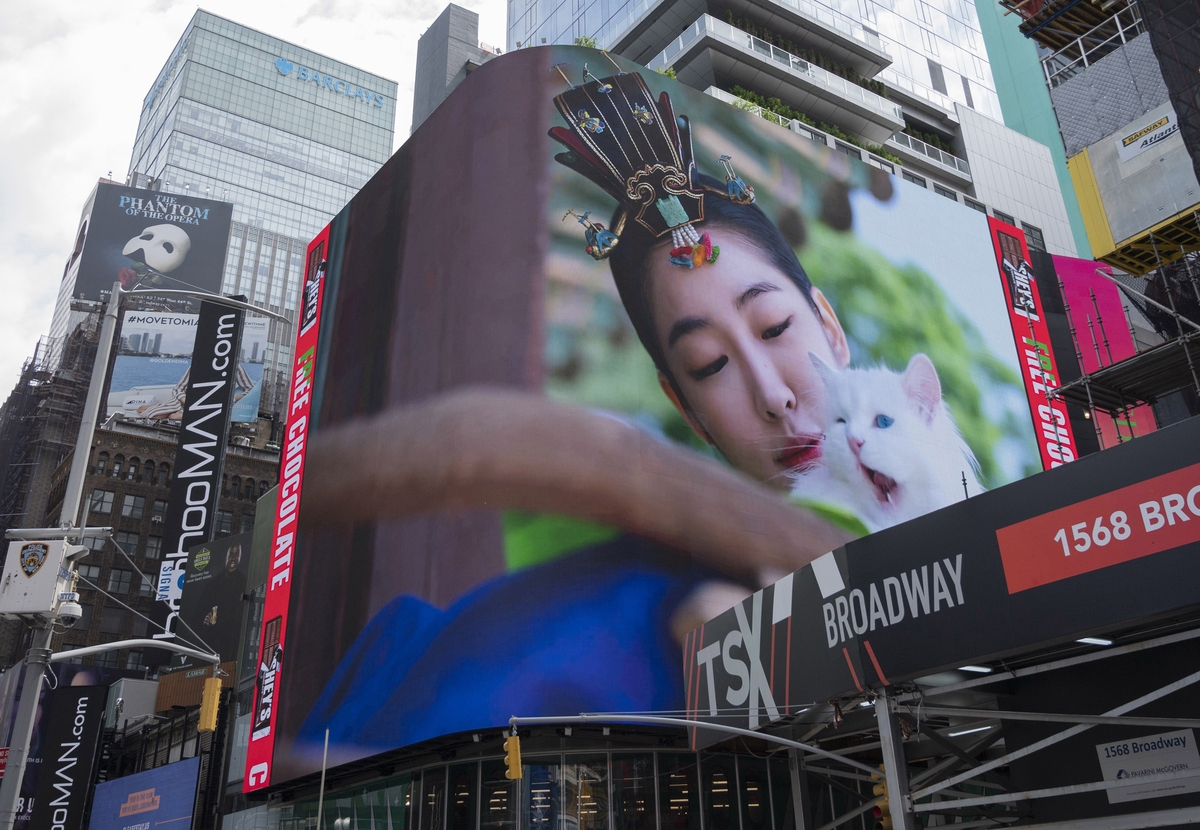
[212, 603]
[152, 238]
[1174, 27]
[199, 456]
[69, 739]
[1098, 544]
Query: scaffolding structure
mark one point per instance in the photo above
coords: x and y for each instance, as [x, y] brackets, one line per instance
[39, 421]
[1169, 299]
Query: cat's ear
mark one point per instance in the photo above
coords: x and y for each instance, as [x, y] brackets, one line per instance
[823, 369]
[920, 382]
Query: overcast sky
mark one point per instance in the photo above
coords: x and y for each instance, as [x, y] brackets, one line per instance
[76, 72]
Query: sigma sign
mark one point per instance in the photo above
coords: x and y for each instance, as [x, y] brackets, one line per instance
[303, 73]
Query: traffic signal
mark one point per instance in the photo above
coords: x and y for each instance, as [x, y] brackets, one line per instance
[881, 813]
[512, 757]
[210, 702]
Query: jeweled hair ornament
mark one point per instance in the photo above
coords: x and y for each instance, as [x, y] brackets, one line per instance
[640, 153]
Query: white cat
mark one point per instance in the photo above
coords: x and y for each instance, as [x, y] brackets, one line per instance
[891, 450]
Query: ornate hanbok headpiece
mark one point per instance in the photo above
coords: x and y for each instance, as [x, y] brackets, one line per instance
[640, 153]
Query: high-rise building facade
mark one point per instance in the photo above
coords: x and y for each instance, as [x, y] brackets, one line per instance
[904, 85]
[284, 133]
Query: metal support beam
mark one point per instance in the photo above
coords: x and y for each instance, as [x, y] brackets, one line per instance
[58, 533]
[801, 801]
[895, 765]
[1053, 792]
[1054, 717]
[1137, 703]
[1129, 821]
[76, 653]
[1041, 668]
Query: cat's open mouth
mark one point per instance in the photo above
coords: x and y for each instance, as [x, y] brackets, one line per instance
[800, 454]
[885, 486]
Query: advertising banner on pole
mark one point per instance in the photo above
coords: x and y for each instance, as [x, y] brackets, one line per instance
[1056, 442]
[74, 716]
[260, 753]
[199, 456]
[154, 357]
[152, 238]
[155, 798]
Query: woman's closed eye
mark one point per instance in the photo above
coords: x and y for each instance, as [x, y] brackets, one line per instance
[775, 331]
[709, 370]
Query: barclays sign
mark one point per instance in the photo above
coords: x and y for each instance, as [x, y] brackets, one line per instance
[303, 73]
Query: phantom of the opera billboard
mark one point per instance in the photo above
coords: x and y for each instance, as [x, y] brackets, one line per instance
[593, 357]
[147, 238]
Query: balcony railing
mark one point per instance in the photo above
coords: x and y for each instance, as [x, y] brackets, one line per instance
[919, 147]
[894, 79]
[1093, 45]
[708, 25]
[800, 128]
[610, 33]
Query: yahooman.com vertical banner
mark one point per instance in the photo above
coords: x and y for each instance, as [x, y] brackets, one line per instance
[1031, 335]
[199, 458]
[261, 750]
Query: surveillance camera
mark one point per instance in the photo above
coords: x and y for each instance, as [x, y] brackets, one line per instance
[69, 611]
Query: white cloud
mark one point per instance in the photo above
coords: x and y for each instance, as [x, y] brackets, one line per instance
[75, 74]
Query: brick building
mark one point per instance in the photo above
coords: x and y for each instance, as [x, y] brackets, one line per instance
[127, 485]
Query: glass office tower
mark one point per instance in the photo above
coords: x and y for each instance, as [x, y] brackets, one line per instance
[286, 134]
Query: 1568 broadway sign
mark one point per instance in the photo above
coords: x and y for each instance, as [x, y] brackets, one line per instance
[303, 73]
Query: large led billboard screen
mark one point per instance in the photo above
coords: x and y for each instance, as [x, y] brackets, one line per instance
[559, 368]
[146, 237]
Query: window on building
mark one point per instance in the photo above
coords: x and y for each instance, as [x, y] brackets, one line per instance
[134, 468]
[967, 92]
[1004, 217]
[133, 506]
[848, 150]
[164, 474]
[107, 659]
[95, 543]
[148, 473]
[248, 490]
[146, 586]
[224, 522]
[112, 620]
[247, 523]
[90, 572]
[101, 463]
[159, 513]
[936, 77]
[85, 618]
[236, 492]
[912, 177]
[973, 205]
[118, 466]
[153, 547]
[102, 501]
[135, 660]
[1033, 237]
[944, 191]
[127, 541]
[138, 627]
[120, 581]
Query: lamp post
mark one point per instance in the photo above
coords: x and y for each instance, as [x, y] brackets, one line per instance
[40, 655]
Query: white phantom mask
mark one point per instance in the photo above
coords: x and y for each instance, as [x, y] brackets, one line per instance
[163, 247]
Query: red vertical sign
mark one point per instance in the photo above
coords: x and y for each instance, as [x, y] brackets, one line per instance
[261, 750]
[1056, 442]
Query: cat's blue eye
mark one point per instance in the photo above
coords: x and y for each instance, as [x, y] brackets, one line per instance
[884, 421]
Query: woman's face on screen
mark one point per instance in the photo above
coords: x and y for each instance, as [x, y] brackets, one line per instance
[737, 335]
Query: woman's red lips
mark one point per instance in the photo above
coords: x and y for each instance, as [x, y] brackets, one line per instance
[800, 453]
